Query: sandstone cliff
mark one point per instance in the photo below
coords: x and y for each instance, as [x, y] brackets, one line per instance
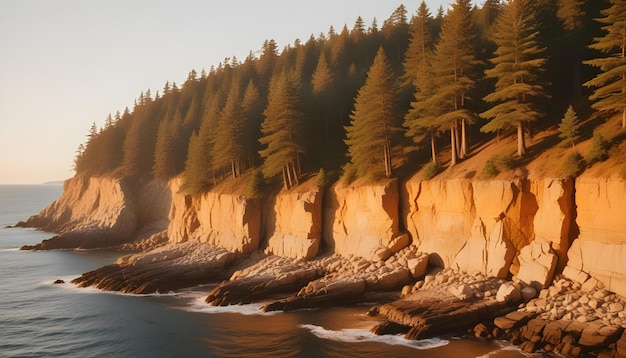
[229, 221]
[364, 220]
[529, 228]
[293, 224]
[600, 249]
[484, 225]
[101, 212]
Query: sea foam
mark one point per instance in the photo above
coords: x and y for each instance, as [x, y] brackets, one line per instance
[355, 335]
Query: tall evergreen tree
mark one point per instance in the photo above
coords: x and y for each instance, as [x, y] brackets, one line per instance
[610, 93]
[282, 130]
[323, 82]
[454, 67]
[228, 148]
[517, 68]
[374, 120]
[420, 44]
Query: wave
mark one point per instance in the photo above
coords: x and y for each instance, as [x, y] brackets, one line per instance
[506, 348]
[13, 249]
[197, 304]
[356, 335]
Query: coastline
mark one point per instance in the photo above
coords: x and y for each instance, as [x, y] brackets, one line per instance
[305, 254]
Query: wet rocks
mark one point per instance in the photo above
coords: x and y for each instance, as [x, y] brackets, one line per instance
[446, 301]
[166, 268]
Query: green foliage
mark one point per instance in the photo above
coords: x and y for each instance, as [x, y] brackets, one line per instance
[255, 185]
[568, 129]
[598, 149]
[609, 83]
[350, 174]
[321, 179]
[504, 161]
[573, 165]
[490, 170]
[517, 68]
[430, 170]
[374, 120]
[282, 130]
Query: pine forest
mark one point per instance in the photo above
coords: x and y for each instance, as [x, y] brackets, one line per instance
[420, 91]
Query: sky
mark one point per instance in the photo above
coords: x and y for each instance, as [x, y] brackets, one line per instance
[65, 64]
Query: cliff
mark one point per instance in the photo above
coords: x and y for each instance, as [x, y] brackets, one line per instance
[229, 221]
[600, 249]
[102, 212]
[364, 220]
[527, 228]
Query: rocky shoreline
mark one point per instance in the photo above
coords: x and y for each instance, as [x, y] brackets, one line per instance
[519, 259]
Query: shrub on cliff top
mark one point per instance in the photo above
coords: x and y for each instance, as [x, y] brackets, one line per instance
[321, 180]
[255, 185]
[490, 169]
[598, 150]
[573, 165]
[430, 170]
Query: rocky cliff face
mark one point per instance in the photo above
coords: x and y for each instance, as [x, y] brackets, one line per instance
[484, 225]
[600, 249]
[293, 224]
[100, 212]
[530, 228]
[364, 220]
[229, 221]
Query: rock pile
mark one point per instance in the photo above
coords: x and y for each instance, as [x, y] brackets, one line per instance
[568, 319]
[448, 300]
[330, 280]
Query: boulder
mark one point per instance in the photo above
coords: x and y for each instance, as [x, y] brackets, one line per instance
[597, 335]
[508, 292]
[537, 264]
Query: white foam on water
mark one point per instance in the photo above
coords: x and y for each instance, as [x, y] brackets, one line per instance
[13, 249]
[505, 347]
[356, 335]
[198, 304]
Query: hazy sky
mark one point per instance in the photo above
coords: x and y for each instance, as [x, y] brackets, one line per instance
[65, 64]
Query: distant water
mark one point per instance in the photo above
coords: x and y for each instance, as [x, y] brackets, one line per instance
[41, 319]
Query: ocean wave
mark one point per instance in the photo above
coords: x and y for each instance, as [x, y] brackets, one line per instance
[197, 304]
[12, 249]
[506, 348]
[356, 335]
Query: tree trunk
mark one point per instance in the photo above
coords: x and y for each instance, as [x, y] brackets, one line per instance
[433, 146]
[521, 144]
[285, 178]
[463, 152]
[232, 169]
[452, 146]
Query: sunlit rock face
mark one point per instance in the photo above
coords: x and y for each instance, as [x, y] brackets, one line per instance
[482, 226]
[600, 249]
[364, 220]
[232, 222]
[99, 212]
[293, 224]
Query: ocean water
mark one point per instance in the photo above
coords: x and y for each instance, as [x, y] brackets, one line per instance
[41, 319]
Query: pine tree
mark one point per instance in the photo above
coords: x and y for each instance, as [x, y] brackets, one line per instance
[420, 44]
[610, 93]
[421, 120]
[568, 129]
[282, 130]
[323, 83]
[518, 65]
[454, 69]
[228, 148]
[374, 120]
